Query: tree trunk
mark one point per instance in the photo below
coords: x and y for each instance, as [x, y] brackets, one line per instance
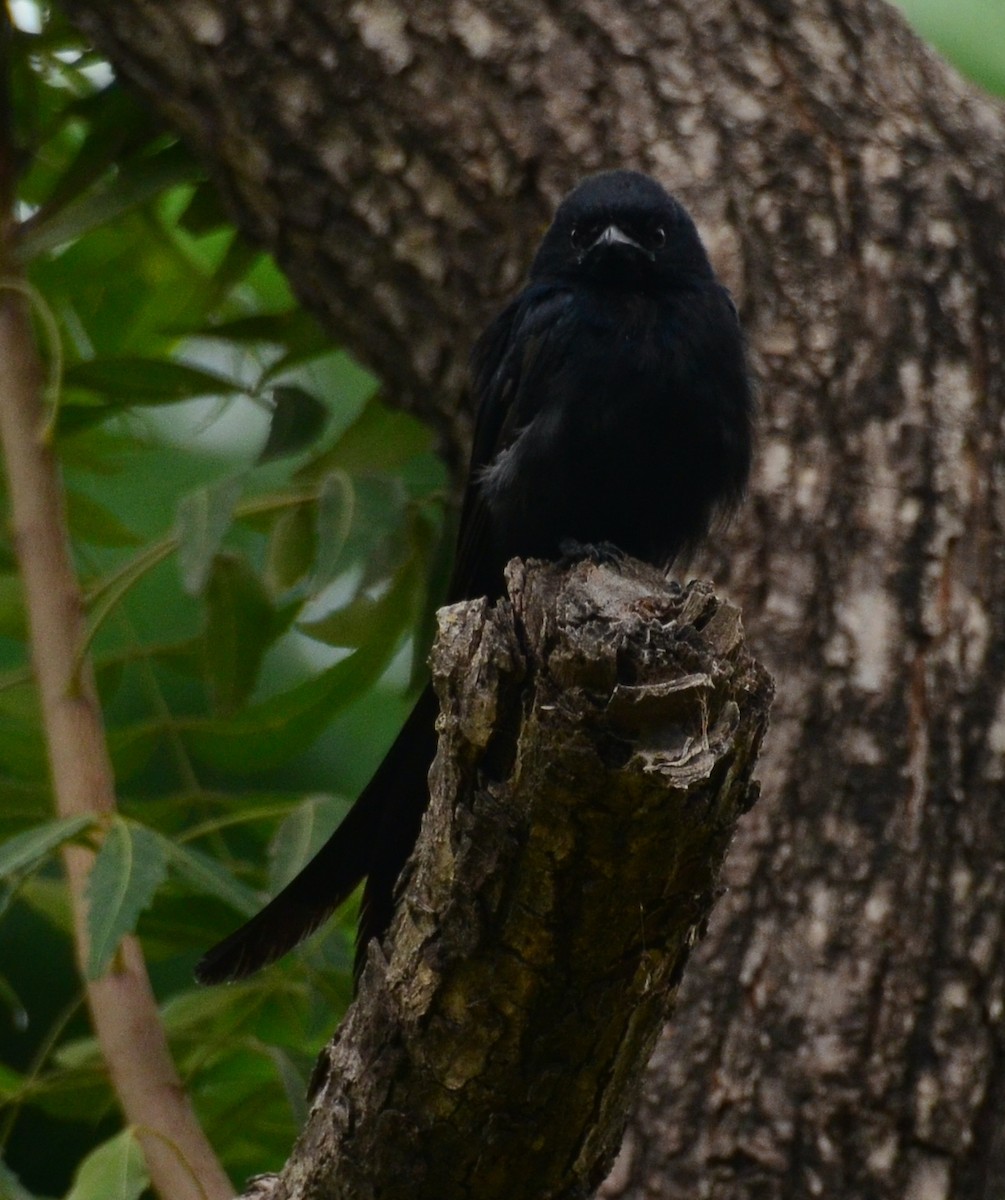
[597, 738]
[839, 1032]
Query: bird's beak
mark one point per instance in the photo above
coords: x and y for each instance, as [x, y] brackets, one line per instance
[615, 236]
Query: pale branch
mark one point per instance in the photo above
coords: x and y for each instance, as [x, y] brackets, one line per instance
[123, 1008]
[598, 732]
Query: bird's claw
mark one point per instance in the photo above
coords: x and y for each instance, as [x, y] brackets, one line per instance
[601, 553]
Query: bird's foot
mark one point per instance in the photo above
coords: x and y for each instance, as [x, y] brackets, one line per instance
[602, 553]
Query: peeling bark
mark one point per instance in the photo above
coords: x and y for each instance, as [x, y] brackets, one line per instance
[839, 1032]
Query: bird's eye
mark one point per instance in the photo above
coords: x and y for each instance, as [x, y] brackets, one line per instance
[579, 235]
[659, 238]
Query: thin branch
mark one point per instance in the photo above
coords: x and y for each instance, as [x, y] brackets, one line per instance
[123, 1007]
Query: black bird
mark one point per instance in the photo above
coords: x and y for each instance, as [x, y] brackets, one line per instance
[615, 410]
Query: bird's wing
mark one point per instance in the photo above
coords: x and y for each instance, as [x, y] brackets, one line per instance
[378, 833]
[509, 361]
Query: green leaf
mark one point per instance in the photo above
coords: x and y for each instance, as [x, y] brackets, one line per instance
[204, 516]
[241, 624]
[378, 440]
[240, 258]
[207, 875]
[80, 1054]
[121, 287]
[301, 835]
[92, 522]
[275, 731]
[115, 1171]
[130, 187]
[22, 748]
[117, 125]
[26, 850]
[17, 1014]
[132, 747]
[11, 1188]
[335, 510]
[187, 1015]
[294, 1084]
[12, 618]
[297, 420]
[127, 381]
[307, 351]
[73, 419]
[129, 868]
[108, 675]
[365, 618]
[292, 546]
[294, 328]
[48, 897]
[204, 212]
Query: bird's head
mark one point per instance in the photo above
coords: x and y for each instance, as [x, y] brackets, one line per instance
[621, 229]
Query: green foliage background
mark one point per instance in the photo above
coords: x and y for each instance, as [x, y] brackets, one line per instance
[259, 538]
[970, 33]
[262, 543]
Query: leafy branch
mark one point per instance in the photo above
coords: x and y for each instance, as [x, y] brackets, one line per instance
[180, 1159]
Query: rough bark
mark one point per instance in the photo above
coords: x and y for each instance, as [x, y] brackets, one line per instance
[839, 1032]
[598, 732]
